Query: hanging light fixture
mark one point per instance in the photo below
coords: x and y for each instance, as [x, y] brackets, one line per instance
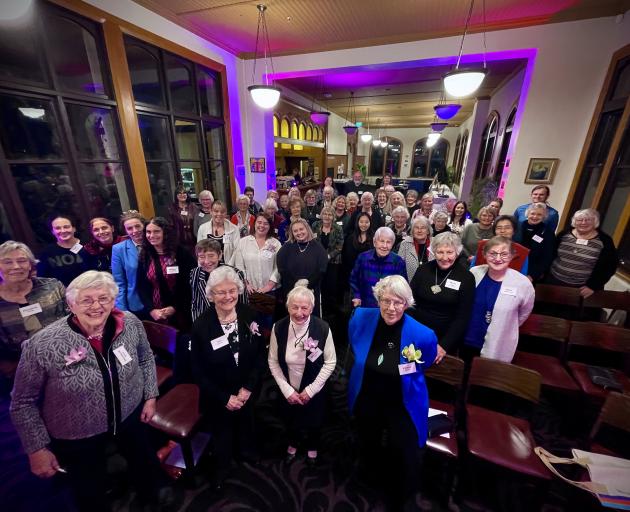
[447, 110]
[377, 142]
[351, 128]
[319, 117]
[463, 82]
[438, 127]
[367, 137]
[264, 95]
[384, 143]
[432, 139]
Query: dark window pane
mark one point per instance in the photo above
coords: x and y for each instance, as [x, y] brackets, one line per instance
[621, 81]
[393, 158]
[617, 189]
[209, 92]
[75, 56]
[44, 190]
[93, 131]
[106, 189]
[145, 75]
[420, 157]
[162, 181]
[187, 140]
[191, 177]
[217, 164]
[6, 230]
[155, 137]
[376, 160]
[28, 129]
[624, 252]
[19, 58]
[179, 75]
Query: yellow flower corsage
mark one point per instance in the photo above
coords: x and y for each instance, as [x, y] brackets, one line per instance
[411, 354]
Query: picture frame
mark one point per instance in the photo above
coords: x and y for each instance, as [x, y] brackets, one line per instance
[257, 164]
[541, 171]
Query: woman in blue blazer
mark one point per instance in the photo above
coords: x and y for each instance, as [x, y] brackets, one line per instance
[387, 391]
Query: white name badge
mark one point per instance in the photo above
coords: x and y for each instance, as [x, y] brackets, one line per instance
[202, 215]
[266, 254]
[537, 238]
[314, 355]
[30, 310]
[360, 192]
[317, 215]
[506, 290]
[453, 285]
[339, 223]
[226, 238]
[407, 368]
[581, 241]
[172, 270]
[122, 355]
[219, 342]
[184, 212]
[76, 248]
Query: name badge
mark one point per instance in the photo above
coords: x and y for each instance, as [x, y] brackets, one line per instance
[317, 215]
[30, 310]
[339, 223]
[538, 239]
[581, 241]
[314, 235]
[202, 215]
[76, 248]
[172, 270]
[219, 342]
[506, 290]
[359, 192]
[226, 238]
[314, 355]
[407, 368]
[453, 285]
[266, 254]
[184, 212]
[122, 355]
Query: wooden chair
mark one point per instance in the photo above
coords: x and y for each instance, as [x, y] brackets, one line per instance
[498, 438]
[598, 344]
[163, 340]
[615, 414]
[546, 330]
[559, 301]
[616, 301]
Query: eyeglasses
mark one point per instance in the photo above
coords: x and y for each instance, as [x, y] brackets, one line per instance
[87, 302]
[499, 255]
[398, 304]
[233, 291]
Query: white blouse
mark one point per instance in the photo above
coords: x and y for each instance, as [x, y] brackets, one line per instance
[259, 265]
[231, 237]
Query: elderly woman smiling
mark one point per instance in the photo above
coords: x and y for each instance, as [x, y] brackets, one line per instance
[387, 391]
[301, 359]
[83, 382]
[227, 362]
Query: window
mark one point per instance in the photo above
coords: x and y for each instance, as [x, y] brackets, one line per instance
[309, 132]
[427, 162]
[486, 148]
[458, 145]
[458, 161]
[386, 159]
[505, 144]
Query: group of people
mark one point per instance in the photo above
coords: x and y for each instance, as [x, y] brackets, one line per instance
[422, 283]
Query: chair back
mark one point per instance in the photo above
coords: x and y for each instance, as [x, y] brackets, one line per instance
[543, 334]
[553, 294]
[600, 336]
[616, 301]
[161, 337]
[450, 371]
[505, 377]
[612, 428]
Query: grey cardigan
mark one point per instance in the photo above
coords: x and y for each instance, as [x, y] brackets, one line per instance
[52, 399]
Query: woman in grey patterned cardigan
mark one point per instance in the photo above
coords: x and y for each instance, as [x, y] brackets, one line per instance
[82, 382]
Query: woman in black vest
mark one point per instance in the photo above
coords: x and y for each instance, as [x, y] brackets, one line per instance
[301, 359]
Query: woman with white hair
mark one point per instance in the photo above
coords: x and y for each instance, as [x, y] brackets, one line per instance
[416, 249]
[440, 223]
[534, 234]
[243, 218]
[327, 196]
[474, 233]
[227, 361]
[371, 266]
[399, 224]
[352, 200]
[301, 359]
[83, 382]
[585, 257]
[270, 208]
[221, 230]
[311, 209]
[27, 303]
[386, 390]
[444, 291]
[205, 210]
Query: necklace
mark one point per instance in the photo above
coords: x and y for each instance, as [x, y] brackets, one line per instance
[437, 288]
[300, 339]
[303, 250]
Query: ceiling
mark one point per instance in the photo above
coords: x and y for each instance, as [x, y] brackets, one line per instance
[396, 95]
[300, 26]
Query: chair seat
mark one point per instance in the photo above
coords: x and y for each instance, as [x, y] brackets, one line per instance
[177, 412]
[580, 374]
[553, 374]
[444, 445]
[163, 374]
[503, 440]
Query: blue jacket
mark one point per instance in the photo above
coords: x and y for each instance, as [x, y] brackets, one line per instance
[125, 270]
[414, 389]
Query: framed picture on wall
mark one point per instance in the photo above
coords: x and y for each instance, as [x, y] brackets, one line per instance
[541, 171]
[257, 165]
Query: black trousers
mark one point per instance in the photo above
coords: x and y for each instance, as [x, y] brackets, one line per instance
[304, 422]
[85, 461]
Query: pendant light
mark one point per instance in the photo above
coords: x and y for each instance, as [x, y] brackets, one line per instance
[367, 137]
[319, 117]
[377, 142]
[351, 128]
[432, 139]
[264, 95]
[464, 81]
[384, 142]
[446, 110]
[438, 127]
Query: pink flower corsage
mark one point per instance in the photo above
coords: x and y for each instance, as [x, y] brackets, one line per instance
[76, 355]
[310, 344]
[253, 327]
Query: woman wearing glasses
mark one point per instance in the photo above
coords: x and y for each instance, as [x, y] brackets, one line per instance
[504, 298]
[227, 354]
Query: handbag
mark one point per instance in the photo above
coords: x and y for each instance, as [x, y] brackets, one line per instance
[605, 378]
[262, 303]
[610, 476]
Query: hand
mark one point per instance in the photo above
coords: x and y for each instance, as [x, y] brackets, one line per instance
[586, 292]
[234, 403]
[356, 303]
[243, 395]
[440, 355]
[168, 311]
[304, 397]
[470, 258]
[43, 463]
[294, 398]
[156, 314]
[148, 411]
[250, 288]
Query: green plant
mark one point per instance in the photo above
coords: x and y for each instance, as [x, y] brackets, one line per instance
[363, 169]
[483, 191]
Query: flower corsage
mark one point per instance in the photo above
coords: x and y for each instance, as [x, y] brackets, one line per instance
[310, 345]
[412, 354]
[254, 328]
[76, 355]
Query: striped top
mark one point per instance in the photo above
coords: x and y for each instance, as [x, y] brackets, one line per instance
[576, 259]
